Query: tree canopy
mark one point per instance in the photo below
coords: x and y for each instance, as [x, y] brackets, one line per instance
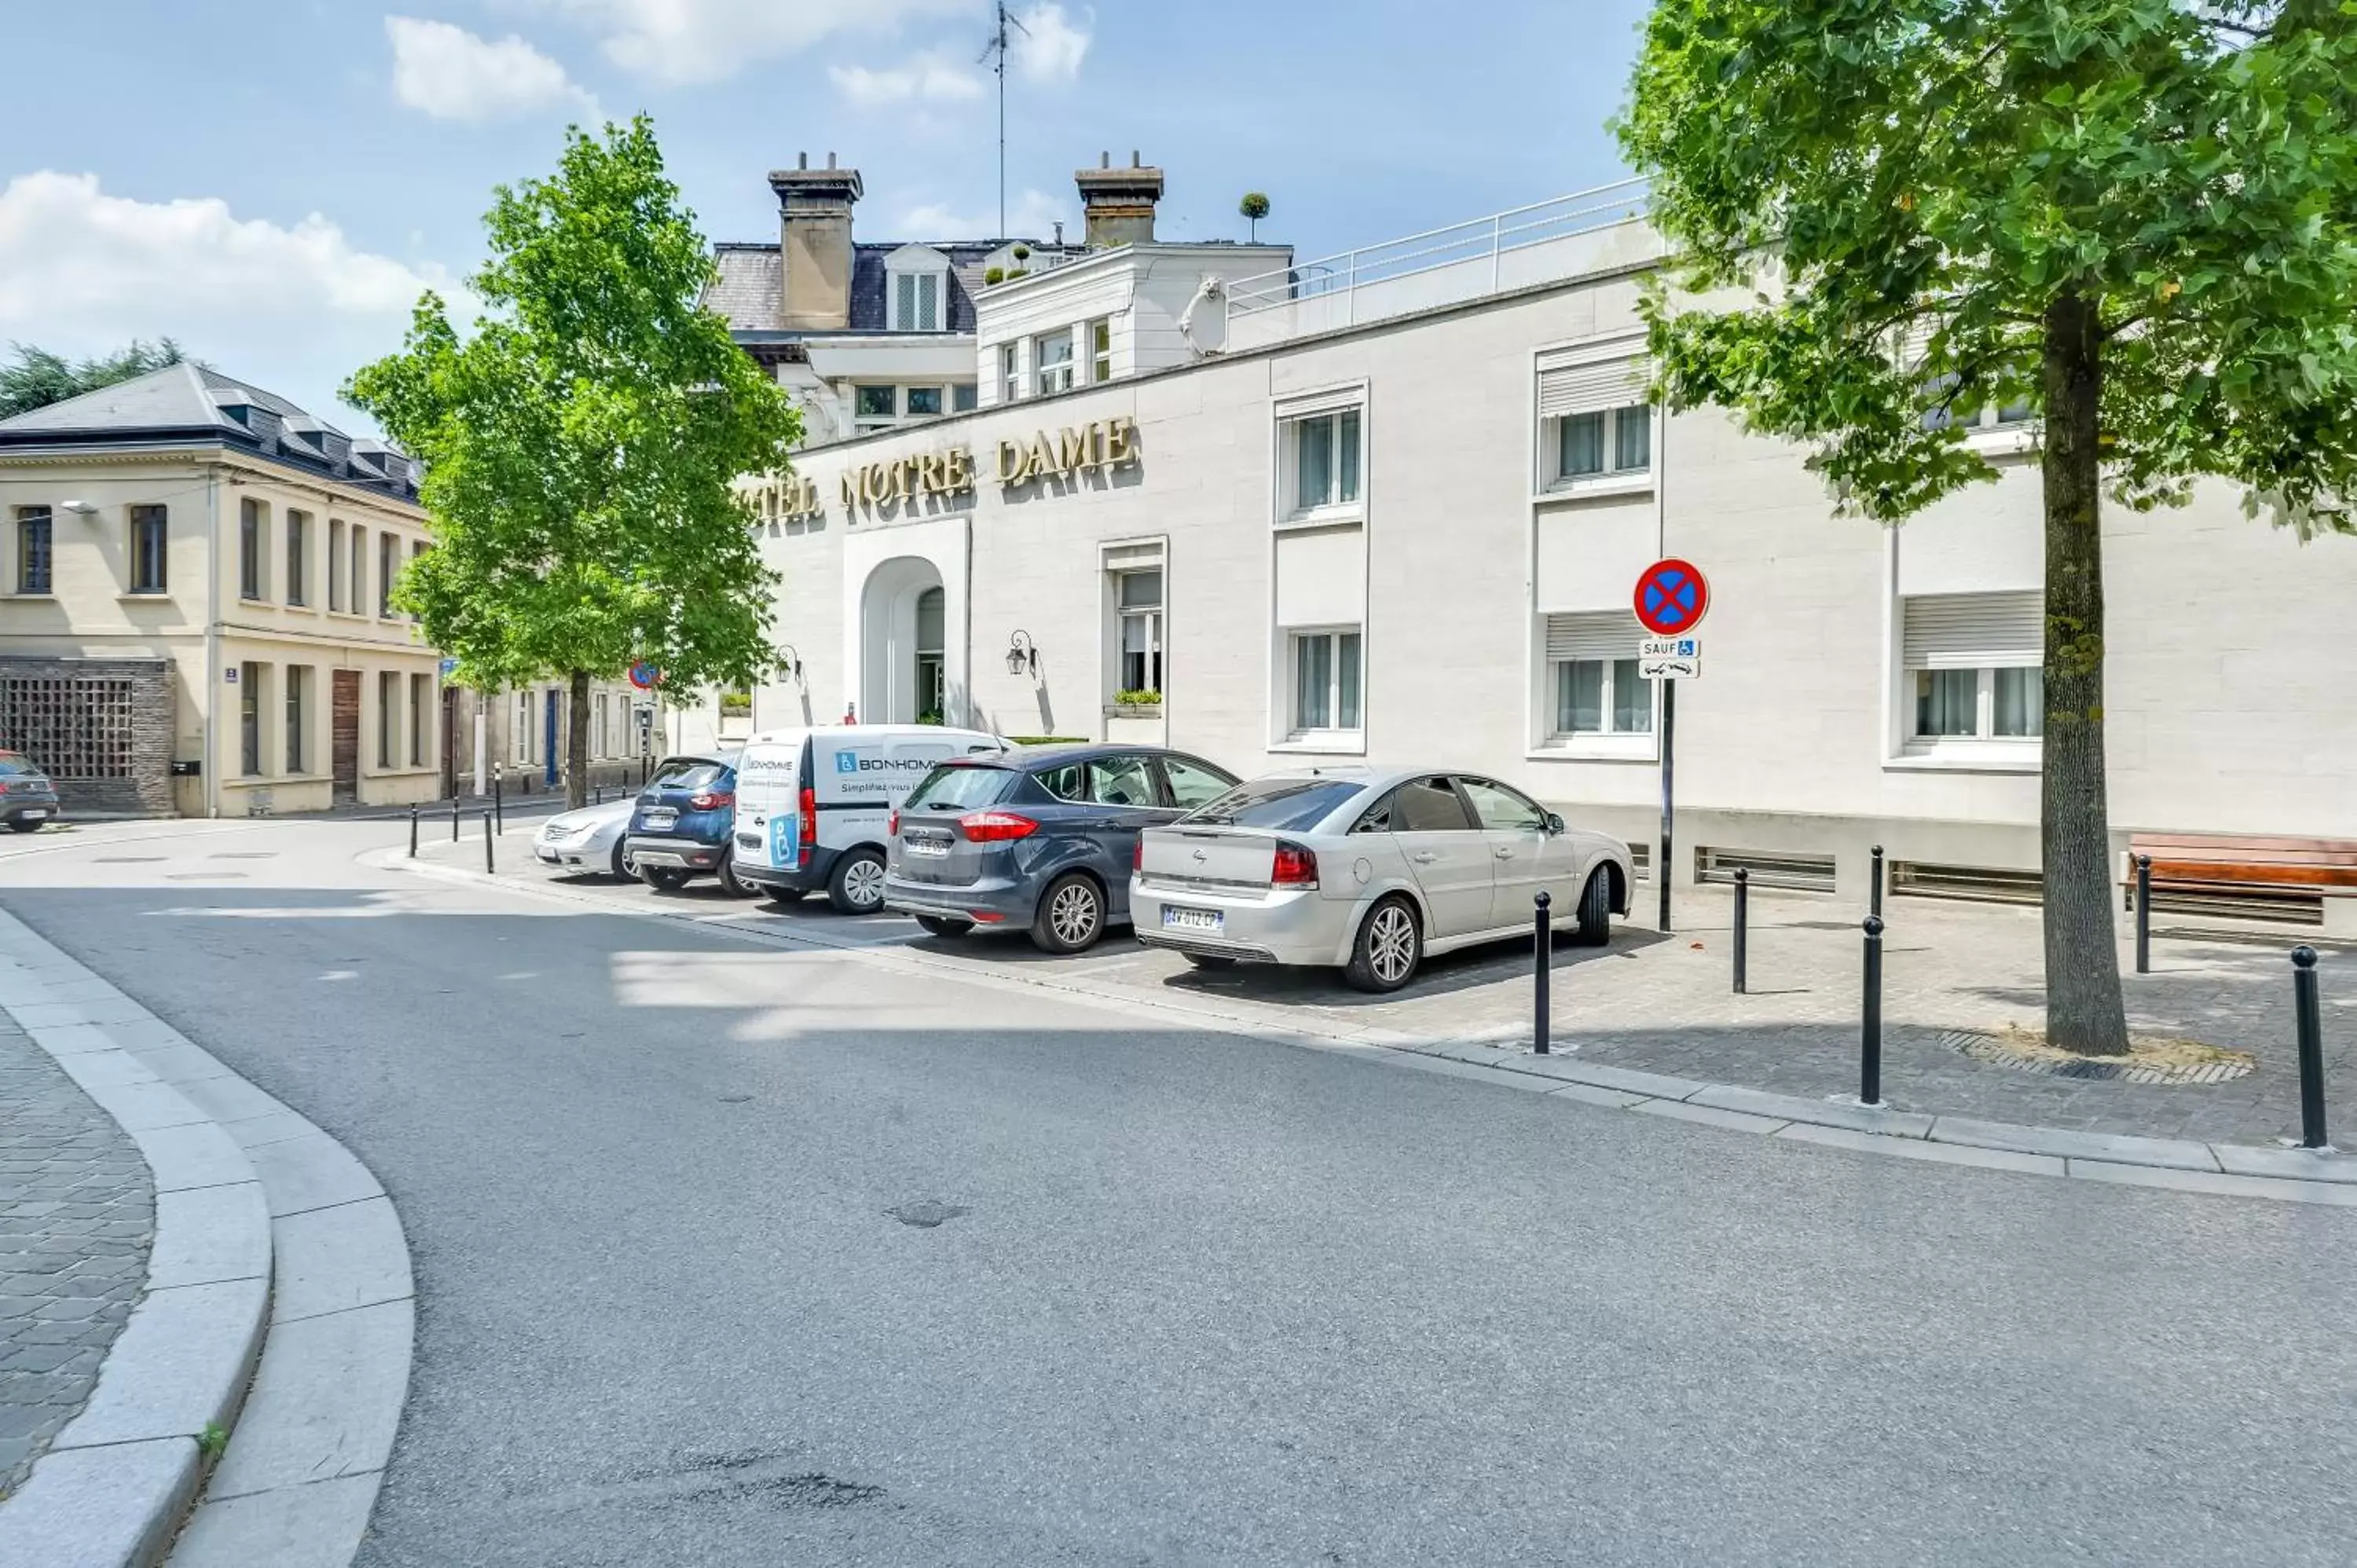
[580, 445]
[2137, 219]
[38, 378]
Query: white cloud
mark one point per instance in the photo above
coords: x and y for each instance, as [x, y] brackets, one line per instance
[927, 78]
[451, 74]
[1032, 215]
[296, 309]
[684, 42]
[1051, 46]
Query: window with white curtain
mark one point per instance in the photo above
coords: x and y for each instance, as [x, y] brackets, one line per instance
[1140, 597]
[1326, 680]
[1974, 667]
[1594, 423]
[1327, 453]
[1592, 686]
[1053, 354]
[1010, 372]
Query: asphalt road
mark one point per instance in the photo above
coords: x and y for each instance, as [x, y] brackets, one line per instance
[1179, 1297]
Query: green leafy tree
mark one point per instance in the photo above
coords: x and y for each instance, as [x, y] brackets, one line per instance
[38, 378]
[580, 446]
[2138, 216]
[1255, 207]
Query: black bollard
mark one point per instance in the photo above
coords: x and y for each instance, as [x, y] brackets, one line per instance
[1543, 1007]
[1743, 925]
[499, 802]
[2144, 914]
[489, 865]
[2311, 1046]
[454, 816]
[1869, 1051]
[413, 832]
[1873, 888]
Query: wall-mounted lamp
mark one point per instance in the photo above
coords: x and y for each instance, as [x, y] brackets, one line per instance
[82, 509]
[790, 663]
[1022, 657]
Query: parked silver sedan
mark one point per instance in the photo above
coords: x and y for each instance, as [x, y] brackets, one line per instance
[1368, 871]
[590, 839]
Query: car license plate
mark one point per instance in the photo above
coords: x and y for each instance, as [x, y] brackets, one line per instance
[1176, 919]
[662, 819]
[36, 816]
[926, 846]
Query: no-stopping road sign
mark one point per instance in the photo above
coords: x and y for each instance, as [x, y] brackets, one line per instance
[1672, 597]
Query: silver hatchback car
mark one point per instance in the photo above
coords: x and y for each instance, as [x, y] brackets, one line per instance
[1368, 871]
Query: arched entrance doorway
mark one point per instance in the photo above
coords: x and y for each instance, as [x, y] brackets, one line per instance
[903, 659]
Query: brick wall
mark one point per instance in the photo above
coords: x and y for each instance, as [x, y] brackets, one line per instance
[100, 727]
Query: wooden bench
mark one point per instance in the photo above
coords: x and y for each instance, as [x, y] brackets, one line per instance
[2245, 876]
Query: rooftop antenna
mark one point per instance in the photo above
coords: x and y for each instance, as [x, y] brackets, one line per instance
[999, 47]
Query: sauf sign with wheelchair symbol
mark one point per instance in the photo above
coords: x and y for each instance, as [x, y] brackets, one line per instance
[1669, 658]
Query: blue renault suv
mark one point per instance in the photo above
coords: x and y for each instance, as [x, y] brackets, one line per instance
[683, 822]
[1040, 838]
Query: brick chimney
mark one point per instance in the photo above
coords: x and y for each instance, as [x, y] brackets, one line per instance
[815, 239]
[1119, 202]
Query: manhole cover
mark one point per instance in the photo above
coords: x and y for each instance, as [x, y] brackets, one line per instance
[925, 1213]
[2172, 1061]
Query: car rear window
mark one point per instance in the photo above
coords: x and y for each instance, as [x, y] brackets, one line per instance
[687, 774]
[1292, 805]
[11, 763]
[959, 786]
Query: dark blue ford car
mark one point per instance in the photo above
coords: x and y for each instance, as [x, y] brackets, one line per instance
[1039, 839]
[683, 823]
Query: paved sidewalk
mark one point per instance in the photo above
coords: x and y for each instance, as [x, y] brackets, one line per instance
[77, 1216]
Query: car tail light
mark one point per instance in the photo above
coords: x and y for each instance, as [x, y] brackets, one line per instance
[1137, 854]
[711, 800]
[995, 827]
[893, 824]
[1294, 866]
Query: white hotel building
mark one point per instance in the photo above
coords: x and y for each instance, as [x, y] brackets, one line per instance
[1391, 508]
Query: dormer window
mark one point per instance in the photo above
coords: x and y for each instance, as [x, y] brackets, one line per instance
[917, 290]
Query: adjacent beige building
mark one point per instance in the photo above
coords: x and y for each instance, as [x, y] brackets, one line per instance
[196, 614]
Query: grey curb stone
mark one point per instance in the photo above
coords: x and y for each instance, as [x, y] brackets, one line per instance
[331, 1375]
[180, 1365]
[1819, 1112]
[2211, 1181]
[1707, 1116]
[2296, 1165]
[2170, 1153]
[1924, 1149]
[98, 1507]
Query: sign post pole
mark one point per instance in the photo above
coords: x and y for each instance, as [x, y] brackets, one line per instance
[1670, 599]
[1669, 750]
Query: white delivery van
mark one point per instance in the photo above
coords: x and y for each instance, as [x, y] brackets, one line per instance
[812, 805]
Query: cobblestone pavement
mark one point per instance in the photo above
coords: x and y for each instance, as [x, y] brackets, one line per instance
[1665, 1004]
[77, 1213]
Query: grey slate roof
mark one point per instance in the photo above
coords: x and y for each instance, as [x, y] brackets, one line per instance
[748, 293]
[188, 403]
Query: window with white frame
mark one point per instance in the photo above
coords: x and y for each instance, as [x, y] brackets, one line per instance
[964, 397]
[1594, 423]
[1326, 683]
[922, 402]
[1053, 354]
[1100, 351]
[916, 294]
[1010, 372]
[1593, 689]
[1973, 669]
[1323, 456]
[1139, 597]
[875, 407]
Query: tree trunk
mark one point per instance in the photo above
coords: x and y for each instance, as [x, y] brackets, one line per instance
[2085, 1010]
[577, 741]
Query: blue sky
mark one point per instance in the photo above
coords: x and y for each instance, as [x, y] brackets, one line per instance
[272, 185]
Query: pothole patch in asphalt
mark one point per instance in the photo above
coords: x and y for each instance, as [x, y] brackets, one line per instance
[243, 854]
[127, 859]
[735, 1099]
[926, 1213]
[204, 876]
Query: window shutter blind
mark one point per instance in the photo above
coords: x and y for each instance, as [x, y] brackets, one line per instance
[1590, 387]
[904, 302]
[1600, 634]
[929, 293]
[1975, 632]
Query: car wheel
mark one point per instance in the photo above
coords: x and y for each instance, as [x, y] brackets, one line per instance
[1596, 911]
[25, 827]
[1071, 914]
[664, 878]
[623, 865]
[857, 887]
[731, 883]
[1210, 960]
[942, 926]
[1389, 949]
